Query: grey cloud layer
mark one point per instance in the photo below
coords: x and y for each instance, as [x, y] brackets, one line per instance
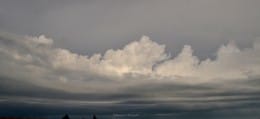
[140, 76]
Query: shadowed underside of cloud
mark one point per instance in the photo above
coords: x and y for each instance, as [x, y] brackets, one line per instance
[141, 73]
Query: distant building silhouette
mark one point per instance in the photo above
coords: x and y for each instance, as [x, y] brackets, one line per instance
[66, 116]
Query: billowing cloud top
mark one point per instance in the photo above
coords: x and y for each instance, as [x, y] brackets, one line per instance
[145, 57]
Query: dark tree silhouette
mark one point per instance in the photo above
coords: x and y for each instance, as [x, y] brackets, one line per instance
[94, 116]
[66, 116]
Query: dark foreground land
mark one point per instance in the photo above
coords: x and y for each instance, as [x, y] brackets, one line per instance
[21, 118]
[66, 116]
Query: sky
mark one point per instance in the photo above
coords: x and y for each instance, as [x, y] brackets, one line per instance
[134, 59]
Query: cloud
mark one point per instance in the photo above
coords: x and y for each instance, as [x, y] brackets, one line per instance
[230, 63]
[141, 76]
[137, 57]
[36, 60]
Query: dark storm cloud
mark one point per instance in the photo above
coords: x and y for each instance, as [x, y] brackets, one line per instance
[241, 109]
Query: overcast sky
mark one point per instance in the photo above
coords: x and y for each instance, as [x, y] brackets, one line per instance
[170, 58]
[94, 26]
